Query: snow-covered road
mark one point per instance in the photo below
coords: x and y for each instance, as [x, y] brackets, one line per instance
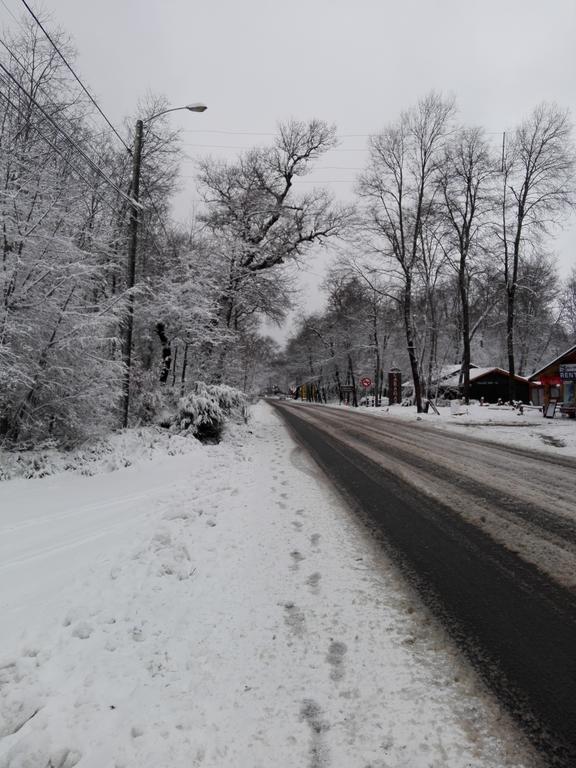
[222, 609]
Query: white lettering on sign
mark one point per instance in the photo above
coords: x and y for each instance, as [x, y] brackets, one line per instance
[568, 372]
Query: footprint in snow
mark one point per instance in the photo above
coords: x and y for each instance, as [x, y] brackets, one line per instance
[313, 581]
[83, 630]
[335, 658]
[294, 619]
[311, 713]
[297, 558]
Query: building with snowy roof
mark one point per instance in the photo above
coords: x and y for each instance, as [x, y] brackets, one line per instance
[490, 383]
[557, 381]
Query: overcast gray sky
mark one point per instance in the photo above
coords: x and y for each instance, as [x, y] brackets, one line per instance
[356, 64]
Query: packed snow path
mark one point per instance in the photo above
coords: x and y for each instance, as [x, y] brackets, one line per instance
[222, 609]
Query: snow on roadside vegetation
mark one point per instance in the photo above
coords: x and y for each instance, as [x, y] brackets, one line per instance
[501, 424]
[109, 454]
[202, 413]
[237, 617]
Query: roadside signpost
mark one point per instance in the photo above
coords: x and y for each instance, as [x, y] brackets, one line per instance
[366, 382]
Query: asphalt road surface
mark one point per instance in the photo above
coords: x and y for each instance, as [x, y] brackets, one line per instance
[487, 534]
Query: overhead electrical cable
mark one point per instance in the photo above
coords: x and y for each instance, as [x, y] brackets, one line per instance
[79, 173]
[68, 138]
[265, 133]
[109, 123]
[30, 74]
[93, 100]
[247, 147]
[24, 69]
[80, 83]
[56, 149]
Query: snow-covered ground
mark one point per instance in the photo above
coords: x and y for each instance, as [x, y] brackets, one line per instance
[222, 608]
[108, 454]
[501, 424]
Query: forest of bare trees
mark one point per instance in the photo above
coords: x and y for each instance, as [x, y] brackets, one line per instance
[452, 260]
[445, 257]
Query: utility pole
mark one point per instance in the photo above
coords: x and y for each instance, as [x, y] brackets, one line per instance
[132, 247]
[131, 271]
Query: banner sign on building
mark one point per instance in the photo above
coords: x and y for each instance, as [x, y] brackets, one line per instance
[568, 372]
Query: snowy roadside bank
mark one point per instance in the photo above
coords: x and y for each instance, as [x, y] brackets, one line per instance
[499, 424]
[222, 609]
[116, 451]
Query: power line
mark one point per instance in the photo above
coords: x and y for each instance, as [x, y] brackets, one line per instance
[80, 83]
[17, 60]
[273, 135]
[88, 183]
[244, 146]
[87, 92]
[320, 182]
[56, 149]
[58, 128]
[41, 87]
[67, 137]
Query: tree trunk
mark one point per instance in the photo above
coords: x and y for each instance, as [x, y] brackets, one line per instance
[183, 372]
[338, 383]
[377, 378]
[174, 366]
[376, 362]
[511, 295]
[465, 311]
[352, 381]
[166, 353]
[432, 356]
[410, 344]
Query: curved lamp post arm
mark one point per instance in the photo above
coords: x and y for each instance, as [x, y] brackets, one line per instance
[190, 107]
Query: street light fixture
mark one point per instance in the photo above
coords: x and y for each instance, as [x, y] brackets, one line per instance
[133, 243]
[196, 107]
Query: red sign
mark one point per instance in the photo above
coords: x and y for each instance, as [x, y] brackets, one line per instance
[366, 382]
[551, 381]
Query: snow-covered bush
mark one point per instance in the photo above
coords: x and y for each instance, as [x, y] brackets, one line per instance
[116, 451]
[204, 410]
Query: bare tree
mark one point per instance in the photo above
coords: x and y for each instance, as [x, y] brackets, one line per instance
[401, 187]
[538, 186]
[569, 305]
[260, 222]
[466, 181]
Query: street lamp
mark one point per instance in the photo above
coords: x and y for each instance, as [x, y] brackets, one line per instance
[133, 243]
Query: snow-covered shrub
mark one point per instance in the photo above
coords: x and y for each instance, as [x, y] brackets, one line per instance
[114, 452]
[204, 410]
